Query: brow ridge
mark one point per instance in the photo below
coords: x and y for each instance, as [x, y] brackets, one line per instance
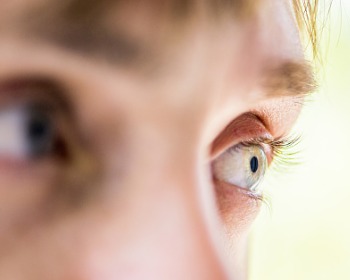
[289, 78]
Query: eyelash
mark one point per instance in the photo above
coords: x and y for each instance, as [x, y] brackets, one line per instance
[285, 153]
[284, 150]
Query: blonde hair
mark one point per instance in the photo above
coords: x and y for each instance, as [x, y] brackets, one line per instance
[306, 12]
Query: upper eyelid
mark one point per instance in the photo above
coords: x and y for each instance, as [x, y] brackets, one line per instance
[247, 127]
[43, 90]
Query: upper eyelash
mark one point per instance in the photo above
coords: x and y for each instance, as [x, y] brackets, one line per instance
[285, 154]
[285, 150]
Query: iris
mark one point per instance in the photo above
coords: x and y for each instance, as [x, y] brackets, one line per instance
[39, 132]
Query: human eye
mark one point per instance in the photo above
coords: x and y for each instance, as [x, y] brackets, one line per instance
[28, 131]
[30, 122]
[243, 165]
[254, 151]
[46, 162]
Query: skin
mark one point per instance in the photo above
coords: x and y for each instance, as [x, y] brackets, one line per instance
[136, 197]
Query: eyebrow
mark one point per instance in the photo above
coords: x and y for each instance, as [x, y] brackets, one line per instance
[93, 9]
[117, 48]
[289, 78]
[78, 26]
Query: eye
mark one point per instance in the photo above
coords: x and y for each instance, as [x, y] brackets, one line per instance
[243, 166]
[28, 131]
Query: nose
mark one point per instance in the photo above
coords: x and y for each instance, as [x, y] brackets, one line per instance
[156, 228]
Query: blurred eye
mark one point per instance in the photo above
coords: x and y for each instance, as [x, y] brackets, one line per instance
[243, 165]
[27, 131]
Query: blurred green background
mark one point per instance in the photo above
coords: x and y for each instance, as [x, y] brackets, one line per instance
[305, 234]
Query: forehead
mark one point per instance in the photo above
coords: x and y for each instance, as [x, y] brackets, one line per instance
[190, 67]
[230, 38]
[109, 14]
[169, 17]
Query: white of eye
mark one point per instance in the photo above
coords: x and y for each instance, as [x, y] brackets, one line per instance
[242, 166]
[24, 132]
[13, 133]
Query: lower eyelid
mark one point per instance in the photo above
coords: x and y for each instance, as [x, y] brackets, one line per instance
[53, 189]
[30, 189]
[229, 190]
[236, 205]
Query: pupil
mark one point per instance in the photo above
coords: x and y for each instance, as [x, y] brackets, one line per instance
[37, 129]
[254, 164]
[39, 134]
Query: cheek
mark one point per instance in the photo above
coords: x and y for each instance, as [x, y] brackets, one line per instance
[237, 209]
[22, 198]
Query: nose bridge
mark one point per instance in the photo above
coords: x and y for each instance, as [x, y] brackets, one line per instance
[174, 224]
[165, 234]
[175, 238]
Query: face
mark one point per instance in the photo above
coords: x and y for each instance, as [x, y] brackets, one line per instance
[133, 144]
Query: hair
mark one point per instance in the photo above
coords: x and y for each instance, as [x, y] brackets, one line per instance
[306, 12]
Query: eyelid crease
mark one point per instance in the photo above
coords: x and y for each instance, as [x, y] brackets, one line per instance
[245, 127]
[43, 90]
